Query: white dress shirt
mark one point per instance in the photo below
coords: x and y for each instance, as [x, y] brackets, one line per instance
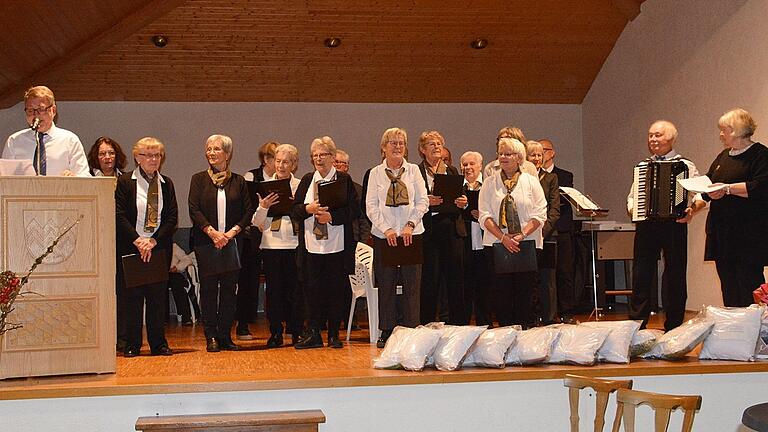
[529, 199]
[141, 202]
[383, 217]
[63, 150]
[335, 242]
[285, 237]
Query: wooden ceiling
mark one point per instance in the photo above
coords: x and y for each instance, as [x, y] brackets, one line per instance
[539, 51]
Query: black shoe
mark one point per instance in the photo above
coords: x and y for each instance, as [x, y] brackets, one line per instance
[312, 340]
[121, 345]
[382, 342]
[334, 341]
[131, 352]
[162, 351]
[276, 340]
[186, 322]
[228, 345]
[242, 332]
[212, 345]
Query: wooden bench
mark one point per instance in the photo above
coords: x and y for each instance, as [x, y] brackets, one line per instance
[275, 421]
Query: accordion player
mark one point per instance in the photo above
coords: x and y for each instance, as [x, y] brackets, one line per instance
[657, 193]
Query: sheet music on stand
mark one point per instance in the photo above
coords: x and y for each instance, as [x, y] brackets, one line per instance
[585, 208]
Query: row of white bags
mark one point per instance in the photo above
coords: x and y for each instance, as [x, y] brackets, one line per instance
[728, 334]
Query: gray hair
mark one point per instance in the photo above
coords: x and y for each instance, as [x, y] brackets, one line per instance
[225, 141]
[515, 145]
[290, 150]
[472, 154]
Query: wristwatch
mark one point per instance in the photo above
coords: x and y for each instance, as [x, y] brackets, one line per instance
[410, 224]
[727, 189]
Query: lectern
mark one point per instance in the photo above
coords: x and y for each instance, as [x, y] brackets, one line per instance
[69, 320]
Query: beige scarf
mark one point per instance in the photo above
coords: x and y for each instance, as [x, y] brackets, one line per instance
[398, 193]
[508, 210]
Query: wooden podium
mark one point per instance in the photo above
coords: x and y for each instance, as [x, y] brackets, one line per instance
[69, 324]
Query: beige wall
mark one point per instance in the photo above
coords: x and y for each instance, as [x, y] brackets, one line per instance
[357, 128]
[687, 61]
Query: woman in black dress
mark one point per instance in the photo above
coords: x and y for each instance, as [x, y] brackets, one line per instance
[737, 235]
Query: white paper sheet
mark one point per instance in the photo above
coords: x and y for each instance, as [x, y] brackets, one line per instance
[700, 184]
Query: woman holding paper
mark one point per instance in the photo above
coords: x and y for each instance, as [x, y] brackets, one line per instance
[220, 208]
[146, 216]
[279, 241]
[395, 202]
[737, 235]
[512, 209]
[326, 253]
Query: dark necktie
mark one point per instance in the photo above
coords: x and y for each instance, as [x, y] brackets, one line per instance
[661, 158]
[39, 158]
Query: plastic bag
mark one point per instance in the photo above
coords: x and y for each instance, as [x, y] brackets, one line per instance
[390, 356]
[578, 344]
[417, 346]
[491, 347]
[734, 334]
[532, 346]
[643, 341]
[761, 350]
[616, 346]
[678, 342]
[453, 346]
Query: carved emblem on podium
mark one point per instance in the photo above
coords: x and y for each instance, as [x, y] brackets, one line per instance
[41, 229]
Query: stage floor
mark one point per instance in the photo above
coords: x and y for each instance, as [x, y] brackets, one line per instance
[192, 369]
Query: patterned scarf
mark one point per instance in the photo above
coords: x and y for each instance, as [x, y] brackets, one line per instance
[219, 178]
[508, 210]
[440, 168]
[319, 229]
[398, 193]
[150, 220]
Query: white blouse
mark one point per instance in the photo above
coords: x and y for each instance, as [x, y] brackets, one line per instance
[383, 217]
[529, 198]
[335, 242]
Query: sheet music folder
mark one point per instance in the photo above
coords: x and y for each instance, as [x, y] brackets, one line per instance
[473, 197]
[505, 261]
[333, 194]
[392, 256]
[583, 206]
[283, 189]
[137, 272]
[212, 261]
[448, 187]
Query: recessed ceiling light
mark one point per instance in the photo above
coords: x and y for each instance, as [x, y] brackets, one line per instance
[479, 43]
[159, 41]
[332, 42]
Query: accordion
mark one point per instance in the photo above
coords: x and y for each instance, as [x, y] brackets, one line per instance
[658, 195]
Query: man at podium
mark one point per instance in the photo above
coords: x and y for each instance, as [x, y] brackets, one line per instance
[52, 150]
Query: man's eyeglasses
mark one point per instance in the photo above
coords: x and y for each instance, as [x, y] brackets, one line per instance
[36, 111]
[548, 150]
[320, 155]
[151, 155]
[340, 162]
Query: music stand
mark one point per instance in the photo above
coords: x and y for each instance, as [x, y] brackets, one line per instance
[585, 208]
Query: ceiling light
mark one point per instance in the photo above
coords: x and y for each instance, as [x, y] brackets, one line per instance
[159, 41]
[479, 43]
[332, 42]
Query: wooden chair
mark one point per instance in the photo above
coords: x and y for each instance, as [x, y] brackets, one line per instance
[662, 404]
[603, 388]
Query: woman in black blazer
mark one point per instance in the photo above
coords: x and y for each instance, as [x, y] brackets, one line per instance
[139, 230]
[326, 253]
[206, 190]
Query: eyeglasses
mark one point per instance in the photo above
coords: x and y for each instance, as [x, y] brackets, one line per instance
[106, 154]
[397, 143]
[320, 155]
[339, 162]
[151, 155]
[507, 155]
[36, 111]
[548, 150]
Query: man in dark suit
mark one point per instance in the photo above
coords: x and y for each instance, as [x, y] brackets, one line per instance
[361, 226]
[566, 294]
[443, 238]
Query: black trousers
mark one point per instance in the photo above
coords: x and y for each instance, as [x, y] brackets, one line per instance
[155, 314]
[511, 294]
[476, 286]
[217, 304]
[178, 285]
[387, 279]
[651, 238]
[324, 290]
[120, 307]
[248, 282]
[285, 302]
[443, 256]
[565, 273]
[738, 279]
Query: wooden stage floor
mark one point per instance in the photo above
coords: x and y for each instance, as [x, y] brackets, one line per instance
[192, 369]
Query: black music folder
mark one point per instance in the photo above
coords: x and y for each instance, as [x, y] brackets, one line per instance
[283, 189]
[448, 187]
[505, 261]
[392, 256]
[212, 261]
[137, 272]
[333, 194]
[473, 196]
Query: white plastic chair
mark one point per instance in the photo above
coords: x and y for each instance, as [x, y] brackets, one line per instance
[362, 286]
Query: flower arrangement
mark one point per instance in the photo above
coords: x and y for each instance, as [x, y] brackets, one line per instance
[760, 295]
[11, 284]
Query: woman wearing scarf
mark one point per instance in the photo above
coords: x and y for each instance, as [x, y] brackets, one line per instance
[279, 241]
[326, 253]
[512, 209]
[220, 209]
[395, 202]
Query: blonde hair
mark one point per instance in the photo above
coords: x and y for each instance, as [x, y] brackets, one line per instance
[740, 121]
[511, 132]
[42, 92]
[513, 144]
[426, 136]
[149, 143]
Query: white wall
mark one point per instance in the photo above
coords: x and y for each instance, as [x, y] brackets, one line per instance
[538, 405]
[357, 128]
[687, 61]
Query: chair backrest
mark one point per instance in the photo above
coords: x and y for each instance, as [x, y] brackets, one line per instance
[364, 254]
[662, 404]
[603, 388]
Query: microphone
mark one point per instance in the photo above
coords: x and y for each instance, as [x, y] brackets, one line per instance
[35, 124]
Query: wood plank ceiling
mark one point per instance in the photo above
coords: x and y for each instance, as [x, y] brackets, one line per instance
[539, 51]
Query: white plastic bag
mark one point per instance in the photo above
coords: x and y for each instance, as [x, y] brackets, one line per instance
[761, 351]
[578, 344]
[390, 355]
[616, 346]
[453, 346]
[734, 334]
[532, 346]
[491, 347]
[417, 346]
[643, 341]
[678, 342]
